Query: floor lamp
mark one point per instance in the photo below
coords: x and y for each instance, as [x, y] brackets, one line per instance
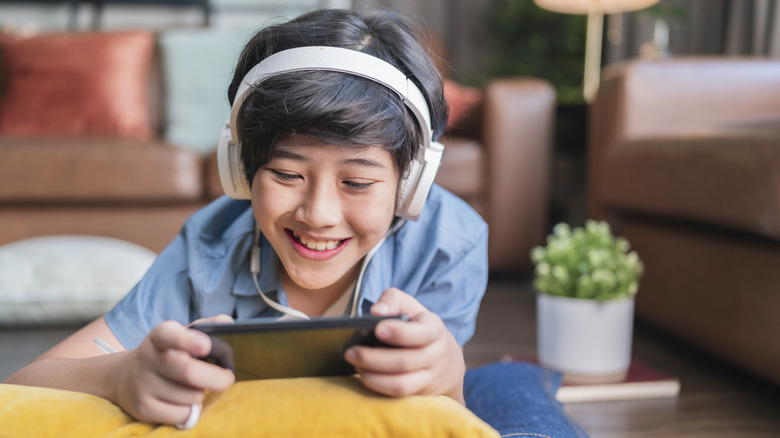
[595, 10]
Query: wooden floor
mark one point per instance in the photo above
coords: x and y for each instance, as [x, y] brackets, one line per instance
[716, 400]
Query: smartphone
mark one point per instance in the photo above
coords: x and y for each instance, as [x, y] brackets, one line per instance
[273, 349]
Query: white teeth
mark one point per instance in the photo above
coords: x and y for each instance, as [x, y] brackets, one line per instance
[317, 245]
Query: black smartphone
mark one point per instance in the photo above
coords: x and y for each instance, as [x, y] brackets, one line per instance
[272, 349]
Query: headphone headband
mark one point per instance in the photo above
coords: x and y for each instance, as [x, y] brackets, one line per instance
[339, 60]
[412, 190]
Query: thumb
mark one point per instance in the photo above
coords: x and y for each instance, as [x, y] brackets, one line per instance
[172, 335]
[395, 302]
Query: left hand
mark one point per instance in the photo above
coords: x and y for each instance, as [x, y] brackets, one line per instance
[429, 360]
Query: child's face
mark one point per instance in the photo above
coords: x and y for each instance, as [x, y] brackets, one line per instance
[323, 207]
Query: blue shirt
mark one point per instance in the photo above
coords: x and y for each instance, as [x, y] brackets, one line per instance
[440, 259]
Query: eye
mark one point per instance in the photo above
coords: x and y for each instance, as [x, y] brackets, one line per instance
[285, 176]
[358, 186]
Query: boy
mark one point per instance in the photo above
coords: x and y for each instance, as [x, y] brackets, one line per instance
[332, 163]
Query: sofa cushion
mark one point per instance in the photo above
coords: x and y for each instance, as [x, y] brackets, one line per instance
[730, 180]
[198, 67]
[76, 84]
[93, 170]
[66, 279]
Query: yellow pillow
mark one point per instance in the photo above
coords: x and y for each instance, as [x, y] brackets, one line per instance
[322, 407]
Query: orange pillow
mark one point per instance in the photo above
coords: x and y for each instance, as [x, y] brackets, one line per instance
[462, 101]
[75, 84]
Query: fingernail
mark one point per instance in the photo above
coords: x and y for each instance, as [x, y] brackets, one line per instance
[383, 332]
[201, 343]
[381, 308]
[350, 354]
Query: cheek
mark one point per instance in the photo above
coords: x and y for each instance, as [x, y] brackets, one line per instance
[265, 203]
[376, 215]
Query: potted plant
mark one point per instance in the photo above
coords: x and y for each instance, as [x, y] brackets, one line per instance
[586, 280]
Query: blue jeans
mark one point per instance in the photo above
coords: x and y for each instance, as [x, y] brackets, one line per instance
[518, 399]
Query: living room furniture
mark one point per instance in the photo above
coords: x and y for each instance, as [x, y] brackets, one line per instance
[85, 150]
[684, 161]
[74, 6]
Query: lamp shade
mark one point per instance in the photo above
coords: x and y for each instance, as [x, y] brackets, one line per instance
[594, 6]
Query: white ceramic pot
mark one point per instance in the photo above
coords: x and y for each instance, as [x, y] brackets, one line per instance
[586, 340]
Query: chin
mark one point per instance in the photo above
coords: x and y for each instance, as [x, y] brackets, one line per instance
[315, 281]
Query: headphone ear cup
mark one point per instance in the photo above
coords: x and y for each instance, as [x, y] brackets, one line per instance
[405, 188]
[231, 169]
[413, 190]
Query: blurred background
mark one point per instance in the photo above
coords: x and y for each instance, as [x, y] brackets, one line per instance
[482, 39]
[110, 112]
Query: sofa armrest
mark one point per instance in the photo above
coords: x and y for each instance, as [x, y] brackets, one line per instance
[680, 97]
[519, 116]
[641, 99]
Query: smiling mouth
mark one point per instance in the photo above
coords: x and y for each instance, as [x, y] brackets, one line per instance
[316, 245]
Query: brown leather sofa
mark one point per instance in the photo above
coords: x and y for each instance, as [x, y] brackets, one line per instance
[684, 161]
[142, 190]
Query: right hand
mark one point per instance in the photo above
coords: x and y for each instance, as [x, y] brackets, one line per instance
[162, 378]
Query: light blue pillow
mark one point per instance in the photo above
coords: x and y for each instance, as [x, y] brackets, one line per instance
[198, 66]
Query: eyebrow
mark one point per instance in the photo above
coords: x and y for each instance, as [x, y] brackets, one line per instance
[366, 162]
[284, 153]
[363, 162]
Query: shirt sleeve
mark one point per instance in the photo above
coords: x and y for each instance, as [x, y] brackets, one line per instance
[164, 293]
[456, 286]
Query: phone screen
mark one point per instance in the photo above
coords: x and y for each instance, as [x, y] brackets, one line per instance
[285, 349]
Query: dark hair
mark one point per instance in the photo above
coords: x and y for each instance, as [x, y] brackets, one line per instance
[335, 107]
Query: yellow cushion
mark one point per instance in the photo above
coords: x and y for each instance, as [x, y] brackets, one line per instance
[322, 407]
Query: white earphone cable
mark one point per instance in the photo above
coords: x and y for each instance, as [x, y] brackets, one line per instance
[356, 294]
[254, 267]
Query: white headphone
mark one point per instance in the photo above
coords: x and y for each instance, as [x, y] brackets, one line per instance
[412, 189]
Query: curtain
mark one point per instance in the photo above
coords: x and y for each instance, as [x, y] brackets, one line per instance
[459, 26]
[705, 27]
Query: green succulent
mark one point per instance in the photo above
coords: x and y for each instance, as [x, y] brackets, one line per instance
[586, 262]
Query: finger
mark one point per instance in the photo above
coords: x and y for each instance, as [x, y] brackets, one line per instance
[172, 335]
[160, 411]
[173, 392]
[423, 329]
[222, 318]
[392, 360]
[395, 302]
[180, 367]
[397, 384]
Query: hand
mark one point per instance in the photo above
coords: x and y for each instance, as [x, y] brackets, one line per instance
[162, 378]
[216, 319]
[428, 362]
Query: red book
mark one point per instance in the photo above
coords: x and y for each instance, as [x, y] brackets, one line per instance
[641, 382]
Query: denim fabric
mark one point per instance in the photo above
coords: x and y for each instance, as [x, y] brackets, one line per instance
[518, 399]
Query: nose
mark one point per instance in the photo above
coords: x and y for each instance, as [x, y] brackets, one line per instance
[320, 207]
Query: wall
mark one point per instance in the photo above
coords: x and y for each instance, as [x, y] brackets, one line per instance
[225, 14]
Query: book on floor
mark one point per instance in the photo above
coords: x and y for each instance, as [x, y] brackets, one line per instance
[641, 382]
